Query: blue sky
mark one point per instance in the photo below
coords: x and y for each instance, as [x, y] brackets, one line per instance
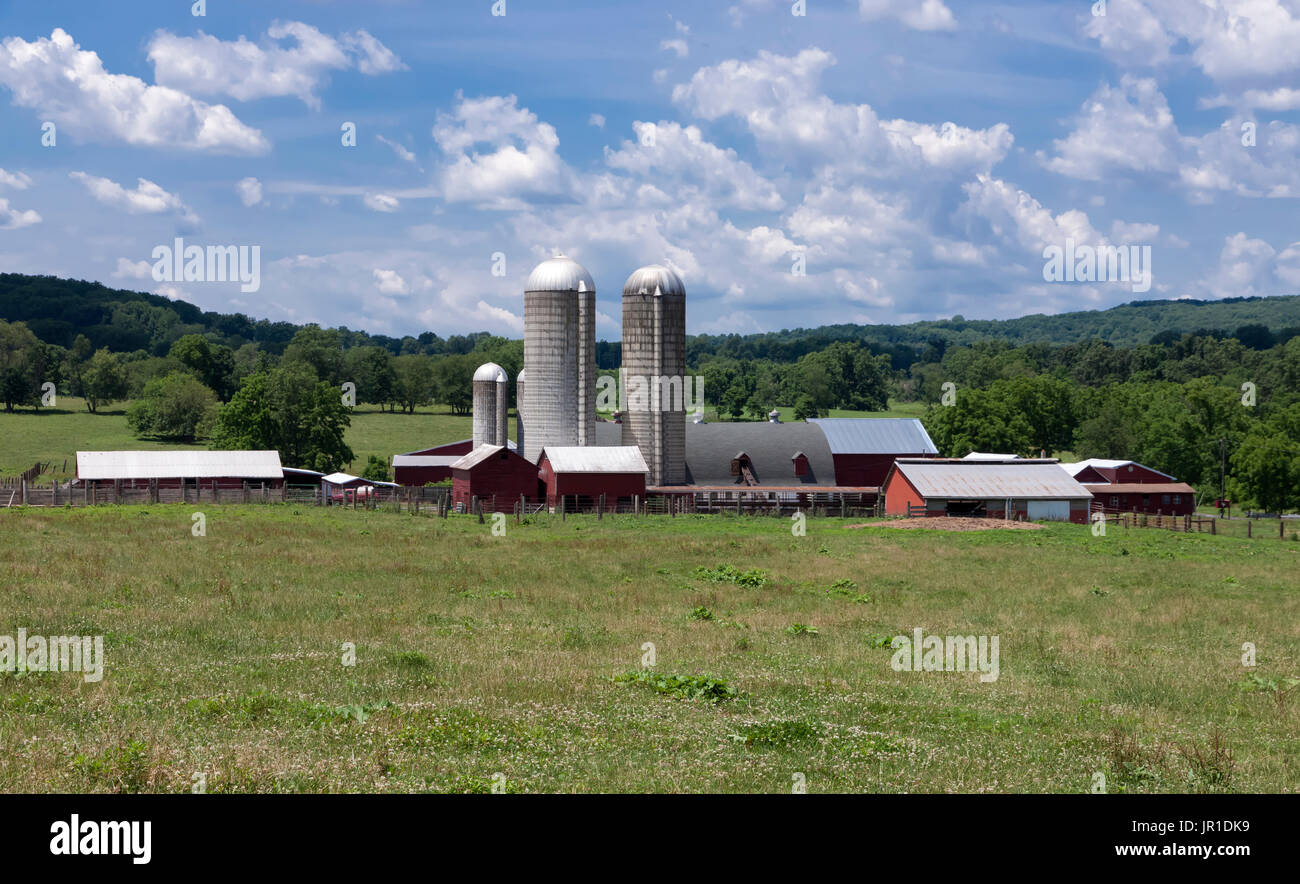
[920, 155]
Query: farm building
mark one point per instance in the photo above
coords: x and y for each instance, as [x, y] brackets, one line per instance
[174, 469]
[794, 455]
[431, 465]
[584, 473]
[347, 488]
[864, 449]
[1018, 489]
[497, 476]
[1124, 486]
[1098, 471]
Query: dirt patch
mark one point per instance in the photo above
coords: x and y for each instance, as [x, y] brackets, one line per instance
[948, 523]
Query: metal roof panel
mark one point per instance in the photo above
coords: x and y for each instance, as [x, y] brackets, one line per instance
[876, 435]
[980, 480]
[105, 465]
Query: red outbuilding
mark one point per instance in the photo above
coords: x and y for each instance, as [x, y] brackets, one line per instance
[430, 465]
[1124, 486]
[493, 474]
[583, 474]
[1033, 489]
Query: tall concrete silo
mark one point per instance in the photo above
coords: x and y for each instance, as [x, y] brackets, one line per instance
[490, 405]
[559, 356]
[654, 358]
[519, 412]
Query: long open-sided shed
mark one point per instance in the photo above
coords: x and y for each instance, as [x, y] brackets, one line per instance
[1016, 489]
[171, 469]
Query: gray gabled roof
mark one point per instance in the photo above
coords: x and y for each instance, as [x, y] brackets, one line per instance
[990, 480]
[476, 457]
[876, 435]
[710, 449]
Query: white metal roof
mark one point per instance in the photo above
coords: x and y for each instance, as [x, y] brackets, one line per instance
[977, 480]
[425, 460]
[876, 435]
[985, 455]
[595, 459]
[342, 478]
[490, 371]
[655, 279]
[560, 274]
[104, 465]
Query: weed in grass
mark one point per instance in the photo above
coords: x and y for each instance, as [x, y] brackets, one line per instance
[700, 612]
[709, 688]
[1212, 766]
[755, 578]
[1279, 688]
[1133, 765]
[774, 734]
[801, 629]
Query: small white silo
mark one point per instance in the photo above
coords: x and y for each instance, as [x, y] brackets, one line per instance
[489, 405]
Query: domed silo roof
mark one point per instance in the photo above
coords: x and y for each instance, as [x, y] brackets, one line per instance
[560, 274]
[490, 371]
[656, 276]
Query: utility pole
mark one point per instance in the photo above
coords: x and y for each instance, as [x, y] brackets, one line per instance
[1223, 472]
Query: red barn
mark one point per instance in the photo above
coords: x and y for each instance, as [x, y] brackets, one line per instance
[493, 472]
[1124, 486]
[585, 473]
[430, 464]
[864, 449]
[1037, 490]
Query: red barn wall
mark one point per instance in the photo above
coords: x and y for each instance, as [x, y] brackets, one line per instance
[899, 493]
[420, 475]
[865, 470]
[507, 478]
[1152, 503]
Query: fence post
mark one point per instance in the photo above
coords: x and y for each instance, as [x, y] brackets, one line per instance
[1248, 527]
[22, 491]
[1281, 530]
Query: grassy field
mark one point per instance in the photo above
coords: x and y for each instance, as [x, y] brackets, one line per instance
[519, 656]
[56, 434]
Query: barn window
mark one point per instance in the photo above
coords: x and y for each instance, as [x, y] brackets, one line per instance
[1178, 498]
[1164, 498]
[1114, 502]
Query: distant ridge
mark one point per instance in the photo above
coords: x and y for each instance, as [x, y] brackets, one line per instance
[57, 310]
